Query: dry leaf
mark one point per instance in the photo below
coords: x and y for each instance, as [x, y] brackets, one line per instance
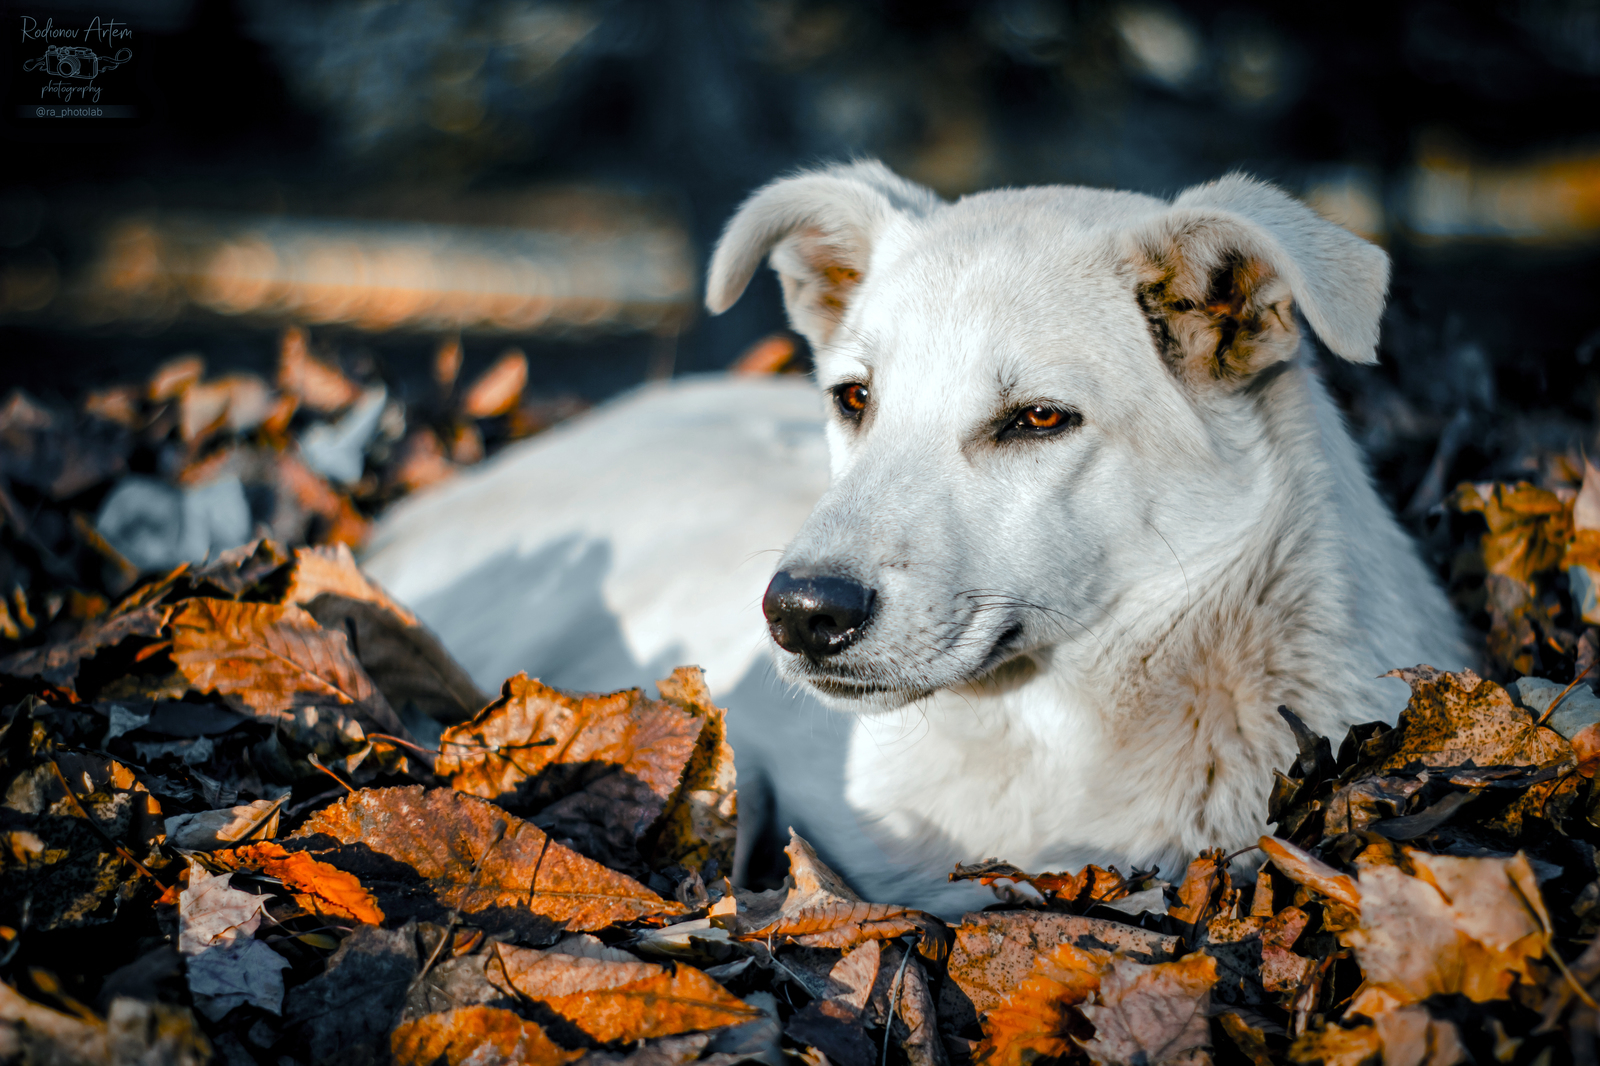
[1334, 1046]
[1092, 884]
[1452, 718]
[324, 890]
[821, 911]
[995, 951]
[133, 1032]
[210, 830]
[1468, 926]
[174, 377]
[1152, 1014]
[497, 389]
[700, 823]
[475, 1036]
[58, 663]
[1304, 868]
[1529, 527]
[619, 1000]
[270, 658]
[316, 384]
[1038, 1019]
[424, 853]
[333, 569]
[1204, 883]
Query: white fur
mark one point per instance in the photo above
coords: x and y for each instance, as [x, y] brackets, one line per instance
[1204, 547]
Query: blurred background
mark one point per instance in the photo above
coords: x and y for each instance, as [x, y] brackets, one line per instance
[401, 234]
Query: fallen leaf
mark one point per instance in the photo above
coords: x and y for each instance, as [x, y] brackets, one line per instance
[1412, 1037]
[1038, 1018]
[1529, 527]
[1091, 884]
[700, 824]
[995, 951]
[619, 1000]
[1304, 868]
[318, 385]
[58, 663]
[598, 769]
[324, 890]
[270, 658]
[470, 1036]
[1455, 717]
[333, 569]
[133, 1032]
[1151, 1014]
[1462, 925]
[1204, 883]
[212, 913]
[210, 830]
[497, 389]
[1336, 1046]
[821, 911]
[344, 1016]
[425, 853]
[174, 377]
[230, 975]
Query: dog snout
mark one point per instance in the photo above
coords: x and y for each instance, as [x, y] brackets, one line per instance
[819, 615]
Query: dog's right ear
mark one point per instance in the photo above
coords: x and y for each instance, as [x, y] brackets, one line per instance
[820, 228]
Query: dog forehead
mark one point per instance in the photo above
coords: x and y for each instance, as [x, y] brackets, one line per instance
[1031, 283]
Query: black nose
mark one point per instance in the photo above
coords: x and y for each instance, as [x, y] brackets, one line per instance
[816, 615]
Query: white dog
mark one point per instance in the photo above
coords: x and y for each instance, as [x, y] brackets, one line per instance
[1091, 519]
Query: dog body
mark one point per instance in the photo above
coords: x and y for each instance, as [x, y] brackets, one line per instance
[1090, 519]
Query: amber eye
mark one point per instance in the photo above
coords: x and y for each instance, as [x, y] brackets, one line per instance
[851, 398]
[1043, 417]
[1040, 421]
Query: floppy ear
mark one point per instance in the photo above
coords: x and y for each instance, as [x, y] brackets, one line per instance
[820, 228]
[1219, 275]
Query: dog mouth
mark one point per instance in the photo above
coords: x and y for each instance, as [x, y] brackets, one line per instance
[1006, 649]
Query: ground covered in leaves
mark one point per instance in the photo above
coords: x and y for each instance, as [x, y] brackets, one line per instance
[254, 813]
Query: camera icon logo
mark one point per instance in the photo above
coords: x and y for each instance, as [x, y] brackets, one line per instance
[73, 61]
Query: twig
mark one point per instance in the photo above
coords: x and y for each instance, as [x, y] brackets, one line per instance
[312, 758]
[455, 913]
[1548, 711]
[403, 743]
[1572, 980]
[894, 1001]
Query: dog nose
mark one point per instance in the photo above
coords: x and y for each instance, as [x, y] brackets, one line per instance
[816, 615]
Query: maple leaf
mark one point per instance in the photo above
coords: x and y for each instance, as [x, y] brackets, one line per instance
[270, 658]
[1462, 925]
[1529, 527]
[1038, 1020]
[1152, 1014]
[611, 1000]
[463, 852]
[1452, 718]
[1204, 883]
[471, 1035]
[58, 663]
[322, 889]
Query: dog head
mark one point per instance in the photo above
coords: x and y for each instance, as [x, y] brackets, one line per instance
[1045, 410]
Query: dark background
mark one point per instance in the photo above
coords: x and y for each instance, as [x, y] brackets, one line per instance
[310, 110]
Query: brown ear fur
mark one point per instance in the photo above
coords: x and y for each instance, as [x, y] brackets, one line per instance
[1218, 314]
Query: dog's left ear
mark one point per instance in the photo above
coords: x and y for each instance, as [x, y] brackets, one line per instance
[1219, 275]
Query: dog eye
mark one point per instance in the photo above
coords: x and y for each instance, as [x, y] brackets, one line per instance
[1040, 421]
[851, 399]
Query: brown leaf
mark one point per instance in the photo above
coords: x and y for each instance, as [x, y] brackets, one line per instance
[1038, 1019]
[1529, 527]
[700, 823]
[1092, 884]
[1204, 883]
[316, 384]
[58, 663]
[1152, 1014]
[174, 377]
[497, 389]
[619, 1000]
[322, 889]
[271, 658]
[995, 951]
[417, 851]
[1452, 718]
[599, 770]
[1304, 868]
[1250, 1040]
[405, 660]
[1334, 1046]
[821, 911]
[470, 1036]
[133, 1031]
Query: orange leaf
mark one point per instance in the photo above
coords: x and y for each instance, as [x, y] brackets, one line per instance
[701, 820]
[1151, 1013]
[271, 658]
[502, 872]
[1038, 1019]
[535, 744]
[1204, 883]
[321, 889]
[497, 389]
[333, 569]
[619, 1000]
[316, 384]
[1092, 884]
[475, 1035]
